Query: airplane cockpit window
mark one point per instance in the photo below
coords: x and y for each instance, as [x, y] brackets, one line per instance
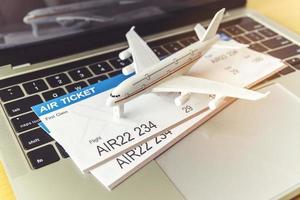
[114, 96]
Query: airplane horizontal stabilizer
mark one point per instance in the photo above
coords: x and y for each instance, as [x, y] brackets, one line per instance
[200, 31]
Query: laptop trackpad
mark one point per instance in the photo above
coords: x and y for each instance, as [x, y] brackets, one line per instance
[248, 151]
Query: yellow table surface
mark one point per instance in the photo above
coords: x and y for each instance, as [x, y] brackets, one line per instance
[285, 12]
[6, 192]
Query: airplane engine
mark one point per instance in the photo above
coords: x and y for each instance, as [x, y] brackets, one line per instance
[124, 54]
[182, 99]
[213, 104]
[128, 70]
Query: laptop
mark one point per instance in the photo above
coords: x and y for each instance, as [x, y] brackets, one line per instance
[49, 48]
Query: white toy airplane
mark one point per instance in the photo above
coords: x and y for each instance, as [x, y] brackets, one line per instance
[167, 75]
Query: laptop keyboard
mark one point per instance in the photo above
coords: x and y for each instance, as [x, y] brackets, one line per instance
[19, 93]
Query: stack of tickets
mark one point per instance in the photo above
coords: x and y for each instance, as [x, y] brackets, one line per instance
[112, 149]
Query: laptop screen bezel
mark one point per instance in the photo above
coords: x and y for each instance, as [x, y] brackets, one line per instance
[72, 44]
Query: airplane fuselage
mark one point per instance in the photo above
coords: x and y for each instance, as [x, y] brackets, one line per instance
[174, 65]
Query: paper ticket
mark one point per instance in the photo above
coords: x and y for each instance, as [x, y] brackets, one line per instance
[85, 127]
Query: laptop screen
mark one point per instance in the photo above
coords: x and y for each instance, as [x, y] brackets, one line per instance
[31, 26]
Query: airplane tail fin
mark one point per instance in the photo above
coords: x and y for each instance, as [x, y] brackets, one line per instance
[212, 28]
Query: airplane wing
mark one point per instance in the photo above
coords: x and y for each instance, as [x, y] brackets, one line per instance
[189, 84]
[142, 54]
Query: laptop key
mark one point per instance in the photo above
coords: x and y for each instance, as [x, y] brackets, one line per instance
[115, 73]
[100, 68]
[34, 138]
[160, 52]
[58, 80]
[286, 52]
[79, 74]
[286, 71]
[117, 63]
[267, 32]
[97, 79]
[295, 62]
[188, 41]
[276, 42]
[25, 122]
[11, 93]
[76, 86]
[61, 150]
[35, 86]
[254, 37]
[23, 105]
[43, 156]
[172, 47]
[242, 40]
[233, 30]
[258, 47]
[53, 94]
[251, 25]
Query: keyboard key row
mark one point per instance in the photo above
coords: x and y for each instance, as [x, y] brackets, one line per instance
[8, 82]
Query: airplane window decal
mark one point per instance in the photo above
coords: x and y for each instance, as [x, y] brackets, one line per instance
[147, 76]
[176, 61]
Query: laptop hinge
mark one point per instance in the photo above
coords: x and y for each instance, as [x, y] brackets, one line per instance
[21, 66]
[9, 66]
